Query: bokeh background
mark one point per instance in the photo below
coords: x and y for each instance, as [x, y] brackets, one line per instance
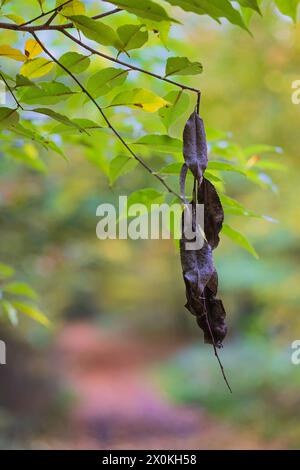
[125, 366]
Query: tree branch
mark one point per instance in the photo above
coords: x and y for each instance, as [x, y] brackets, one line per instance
[47, 26]
[119, 137]
[130, 66]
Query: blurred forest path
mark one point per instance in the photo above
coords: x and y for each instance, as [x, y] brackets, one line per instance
[118, 406]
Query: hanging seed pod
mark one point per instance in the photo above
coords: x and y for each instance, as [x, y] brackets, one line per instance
[199, 274]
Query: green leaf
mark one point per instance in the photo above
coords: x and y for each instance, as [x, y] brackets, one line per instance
[144, 9]
[20, 288]
[32, 312]
[139, 98]
[261, 149]
[119, 166]
[250, 4]
[288, 8]
[36, 68]
[58, 117]
[78, 123]
[239, 239]
[23, 81]
[225, 166]
[212, 177]
[28, 155]
[179, 104]
[74, 62]
[146, 196]
[171, 169]
[6, 271]
[132, 37]
[8, 117]
[214, 8]
[231, 206]
[182, 66]
[10, 311]
[161, 143]
[45, 93]
[106, 80]
[97, 31]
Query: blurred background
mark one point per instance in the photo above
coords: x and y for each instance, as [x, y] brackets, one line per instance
[125, 366]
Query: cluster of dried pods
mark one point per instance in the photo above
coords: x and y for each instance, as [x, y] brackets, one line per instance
[199, 273]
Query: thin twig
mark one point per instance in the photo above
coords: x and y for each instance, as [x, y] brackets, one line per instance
[56, 9]
[216, 354]
[11, 92]
[52, 17]
[50, 27]
[119, 137]
[130, 66]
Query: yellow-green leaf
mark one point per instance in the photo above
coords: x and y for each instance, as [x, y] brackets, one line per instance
[140, 98]
[74, 7]
[20, 288]
[36, 68]
[12, 53]
[32, 48]
[32, 312]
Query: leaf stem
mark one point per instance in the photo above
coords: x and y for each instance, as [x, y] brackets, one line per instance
[119, 137]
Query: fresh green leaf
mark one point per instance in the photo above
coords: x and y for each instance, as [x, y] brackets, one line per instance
[97, 31]
[239, 239]
[161, 143]
[106, 80]
[214, 8]
[179, 103]
[132, 37]
[182, 66]
[23, 81]
[45, 93]
[225, 166]
[74, 62]
[119, 166]
[250, 4]
[58, 117]
[143, 9]
[288, 8]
